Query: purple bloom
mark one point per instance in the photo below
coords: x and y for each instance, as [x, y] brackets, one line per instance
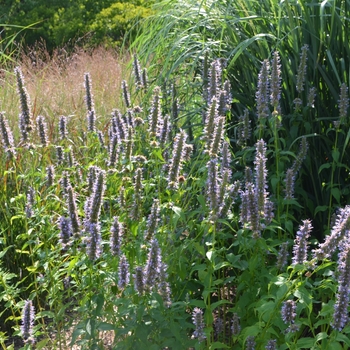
[153, 220]
[282, 257]
[50, 175]
[72, 210]
[65, 226]
[123, 272]
[263, 91]
[212, 185]
[62, 127]
[235, 326]
[7, 137]
[117, 232]
[94, 202]
[260, 177]
[139, 283]
[152, 268]
[28, 315]
[275, 82]
[177, 160]
[126, 94]
[338, 233]
[340, 315]
[301, 243]
[88, 92]
[197, 318]
[271, 345]
[42, 129]
[302, 68]
[163, 284]
[93, 240]
[137, 72]
[288, 311]
[155, 117]
[217, 137]
[250, 343]
[25, 117]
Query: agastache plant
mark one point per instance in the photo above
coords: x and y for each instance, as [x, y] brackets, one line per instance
[137, 72]
[94, 202]
[123, 272]
[338, 233]
[42, 130]
[62, 127]
[153, 220]
[152, 268]
[25, 116]
[7, 137]
[275, 85]
[177, 160]
[50, 175]
[197, 318]
[126, 94]
[263, 91]
[341, 315]
[292, 172]
[28, 316]
[117, 233]
[93, 240]
[300, 248]
[137, 197]
[66, 232]
[72, 211]
[139, 283]
[91, 115]
[155, 117]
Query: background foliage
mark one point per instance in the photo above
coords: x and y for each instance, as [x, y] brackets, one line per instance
[88, 21]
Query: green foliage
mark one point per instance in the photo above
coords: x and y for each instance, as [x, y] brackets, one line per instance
[85, 21]
[244, 33]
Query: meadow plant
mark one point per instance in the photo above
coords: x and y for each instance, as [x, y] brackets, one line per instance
[177, 242]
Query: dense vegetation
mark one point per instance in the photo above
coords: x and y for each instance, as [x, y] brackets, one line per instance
[203, 204]
[84, 22]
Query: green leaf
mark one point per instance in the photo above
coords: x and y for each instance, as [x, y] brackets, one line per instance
[321, 208]
[218, 345]
[177, 211]
[104, 326]
[305, 343]
[41, 343]
[336, 193]
[324, 166]
[335, 155]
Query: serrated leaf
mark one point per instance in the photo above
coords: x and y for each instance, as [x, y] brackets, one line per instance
[218, 345]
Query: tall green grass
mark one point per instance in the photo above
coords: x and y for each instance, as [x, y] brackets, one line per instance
[244, 33]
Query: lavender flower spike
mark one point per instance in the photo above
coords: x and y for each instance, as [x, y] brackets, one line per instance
[250, 343]
[338, 232]
[7, 137]
[28, 315]
[93, 241]
[301, 243]
[197, 318]
[139, 283]
[123, 272]
[152, 268]
[117, 231]
[235, 327]
[340, 315]
[42, 130]
[25, 117]
[262, 94]
[271, 345]
[177, 159]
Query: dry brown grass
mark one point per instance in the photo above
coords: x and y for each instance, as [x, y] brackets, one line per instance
[56, 84]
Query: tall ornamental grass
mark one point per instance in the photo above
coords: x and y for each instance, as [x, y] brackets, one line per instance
[243, 34]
